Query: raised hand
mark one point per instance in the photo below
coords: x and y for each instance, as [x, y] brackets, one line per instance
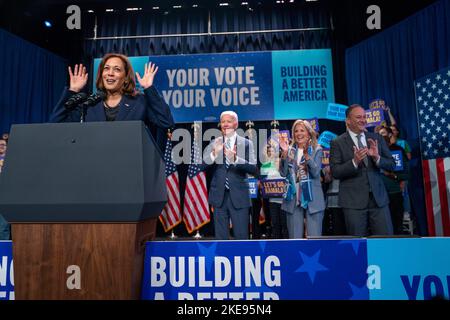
[78, 78]
[373, 148]
[218, 147]
[149, 74]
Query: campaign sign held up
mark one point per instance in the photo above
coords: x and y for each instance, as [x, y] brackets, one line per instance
[398, 158]
[374, 117]
[273, 188]
[253, 187]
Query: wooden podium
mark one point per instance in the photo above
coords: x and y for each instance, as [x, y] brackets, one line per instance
[81, 212]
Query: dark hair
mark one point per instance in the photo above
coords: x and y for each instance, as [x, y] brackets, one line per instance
[389, 130]
[129, 86]
[349, 110]
[395, 126]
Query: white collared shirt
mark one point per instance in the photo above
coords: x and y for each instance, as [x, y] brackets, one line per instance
[355, 139]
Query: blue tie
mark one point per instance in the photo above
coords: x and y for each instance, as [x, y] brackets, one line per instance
[227, 164]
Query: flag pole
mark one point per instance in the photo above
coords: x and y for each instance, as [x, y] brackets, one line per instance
[197, 235]
[173, 236]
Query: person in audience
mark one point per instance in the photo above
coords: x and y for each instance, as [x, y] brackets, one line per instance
[301, 163]
[401, 142]
[270, 169]
[395, 182]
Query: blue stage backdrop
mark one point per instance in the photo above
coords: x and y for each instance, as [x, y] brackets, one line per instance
[257, 85]
[323, 269]
[6, 271]
[346, 269]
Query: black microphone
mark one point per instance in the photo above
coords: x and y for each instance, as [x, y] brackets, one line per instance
[94, 98]
[75, 100]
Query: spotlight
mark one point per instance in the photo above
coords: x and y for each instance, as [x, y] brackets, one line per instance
[48, 24]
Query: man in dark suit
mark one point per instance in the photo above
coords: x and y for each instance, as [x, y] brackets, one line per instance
[230, 157]
[356, 158]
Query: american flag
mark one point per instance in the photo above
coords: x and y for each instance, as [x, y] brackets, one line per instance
[196, 208]
[171, 214]
[433, 107]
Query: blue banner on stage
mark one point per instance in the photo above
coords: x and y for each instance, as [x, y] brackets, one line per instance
[256, 85]
[6, 271]
[409, 269]
[323, 269]
[291, 269]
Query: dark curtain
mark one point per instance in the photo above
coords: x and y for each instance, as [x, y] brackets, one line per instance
[386, 65]
[31, 82]
[196, 21]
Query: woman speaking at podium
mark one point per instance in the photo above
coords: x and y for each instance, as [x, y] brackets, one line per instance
[117, 98]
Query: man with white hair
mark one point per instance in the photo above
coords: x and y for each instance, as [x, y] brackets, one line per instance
[230, 158]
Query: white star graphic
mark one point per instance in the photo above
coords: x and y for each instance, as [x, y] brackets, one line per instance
[433, 137]
[442, 120]
[424, 139]
[439, 91]
[446, 150]
[428, 131]
[433, 86]
[446, 97]
[422, 125]
[421, 112]
[438, 77]
[435, 151]
[436, 115]
[429, 95]
[429, 145]
[428, 81]
[418, 85]
[419, 99]
[441, 106]
[432, 123]
[448, 73]
[440, 143]
[424, 90]
[435, 100]
[425, 103]
[430, 109]
[444, 82]
[438, 129]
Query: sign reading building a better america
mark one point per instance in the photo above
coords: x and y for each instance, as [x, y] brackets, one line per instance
[256, 85]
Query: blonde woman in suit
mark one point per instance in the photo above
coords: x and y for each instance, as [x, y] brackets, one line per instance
[301, 163]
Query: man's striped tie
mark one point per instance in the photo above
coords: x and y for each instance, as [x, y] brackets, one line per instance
[227, 163]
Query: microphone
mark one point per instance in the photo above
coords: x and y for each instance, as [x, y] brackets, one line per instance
[94, 98]
[75, 100]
